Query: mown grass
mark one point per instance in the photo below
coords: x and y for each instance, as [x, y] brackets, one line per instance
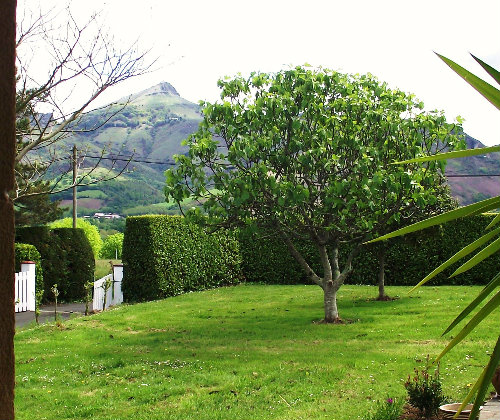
[245, 352]
[103, 267]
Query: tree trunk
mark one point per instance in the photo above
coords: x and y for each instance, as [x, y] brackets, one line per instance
[7, 156]
[381, 274]
[330, 303]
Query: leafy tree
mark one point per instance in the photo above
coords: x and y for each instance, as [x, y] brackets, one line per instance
[112, 246]
[91, 232]
[484, 247]
[306, 153]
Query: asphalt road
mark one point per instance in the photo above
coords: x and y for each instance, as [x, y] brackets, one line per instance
[64, 311]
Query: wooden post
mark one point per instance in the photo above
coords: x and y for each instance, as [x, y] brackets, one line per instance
[74, 186]
[7, 156]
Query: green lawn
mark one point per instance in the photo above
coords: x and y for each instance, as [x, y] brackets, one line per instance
[245, 352]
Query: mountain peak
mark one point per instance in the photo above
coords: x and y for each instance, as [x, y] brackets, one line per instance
[162, 88]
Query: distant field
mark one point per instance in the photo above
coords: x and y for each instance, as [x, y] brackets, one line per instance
[245, 352]
[88, 203]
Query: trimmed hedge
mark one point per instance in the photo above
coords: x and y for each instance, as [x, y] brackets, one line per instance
[67, 259]
[164, 256]
[410, 258]
[27, 252]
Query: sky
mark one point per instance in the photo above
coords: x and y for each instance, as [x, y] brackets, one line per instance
[196, 42]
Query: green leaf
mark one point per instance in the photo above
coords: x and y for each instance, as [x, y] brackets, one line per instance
[481, 206]
[459, 255]
[494, 283]
[452, 155]
[494, 221]
[491, 71]
[493, 304]
[491, 93]
[482, 383]
[480, 256]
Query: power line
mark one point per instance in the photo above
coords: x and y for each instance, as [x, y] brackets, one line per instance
[469, 176]
[141, 159]
[130, 159]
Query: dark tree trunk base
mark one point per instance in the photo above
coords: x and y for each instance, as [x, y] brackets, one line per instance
[385, 298]
[335, 321]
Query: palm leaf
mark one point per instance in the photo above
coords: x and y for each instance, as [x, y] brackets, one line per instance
[482, 383]
[459, 255]
[452, 155]
[491, 93]
[492, 304]
[492, 285]
[490, 70]
[494, 221]
[481, 207]
[480, 256]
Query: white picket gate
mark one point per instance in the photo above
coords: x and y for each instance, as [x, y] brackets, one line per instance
[25, 287]
[114, 295]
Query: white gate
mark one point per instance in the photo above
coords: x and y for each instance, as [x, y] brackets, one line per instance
[25, 287]
[114, 294]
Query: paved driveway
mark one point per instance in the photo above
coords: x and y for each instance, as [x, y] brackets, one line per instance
[65, 311]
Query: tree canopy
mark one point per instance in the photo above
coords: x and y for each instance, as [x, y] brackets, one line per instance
[308, 153]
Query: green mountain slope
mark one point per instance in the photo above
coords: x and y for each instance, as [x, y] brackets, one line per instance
[150, 129]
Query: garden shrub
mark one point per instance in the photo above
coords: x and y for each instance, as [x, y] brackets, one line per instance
[91, 231]
[79, 262]
[165, 256]
[28, 252]
[67, 258]
[265, 258]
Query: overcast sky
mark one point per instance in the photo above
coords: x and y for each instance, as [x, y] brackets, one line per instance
[199, 41]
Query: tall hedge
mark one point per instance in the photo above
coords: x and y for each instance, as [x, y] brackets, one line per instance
[77, 252]
[164, 256]
[265, 257]
[27, 252]
[67, 259]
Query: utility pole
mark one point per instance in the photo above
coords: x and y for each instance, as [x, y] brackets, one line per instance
[74, 186]
[7, 156]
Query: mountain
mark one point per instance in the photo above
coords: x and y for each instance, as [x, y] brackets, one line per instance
[151, 128]
[472, 189]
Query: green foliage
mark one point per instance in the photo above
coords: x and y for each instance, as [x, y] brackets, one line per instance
[265, 258]
[91, 232]
[425, 391]
[165, 256]
[28, 252]
[89, 287]
[38, 303]
[105, 287]
[55, 293]
[112, 246]
[66, 258]
[306, 153]
[36, 209]
[76, 252]
[388, 409]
